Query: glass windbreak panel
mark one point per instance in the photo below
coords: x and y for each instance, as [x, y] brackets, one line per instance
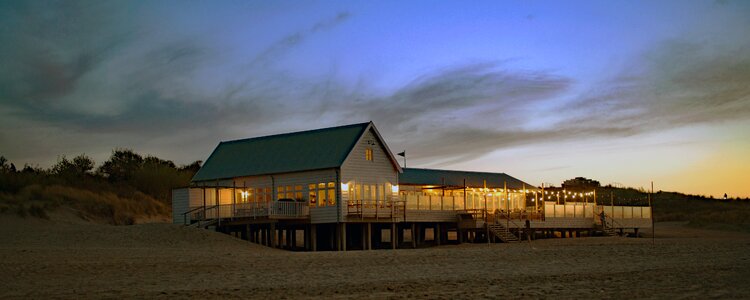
[646, 212]
[411, 201]
[447, 203]
[366, 191]
[458, 202]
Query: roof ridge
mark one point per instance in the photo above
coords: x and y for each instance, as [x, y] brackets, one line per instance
[295, 133]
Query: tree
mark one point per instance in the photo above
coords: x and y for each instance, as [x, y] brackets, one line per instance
[4, 164]
[121, 165]
[78, 167]
[83, 164]
[194, 167]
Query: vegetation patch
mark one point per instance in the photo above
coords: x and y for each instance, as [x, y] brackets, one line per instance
[125, 187]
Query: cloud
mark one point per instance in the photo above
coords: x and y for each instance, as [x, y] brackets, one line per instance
[48, 47]
[490, 89]
[462, 113]
[290, 41]
[86, 69]
[676, 84]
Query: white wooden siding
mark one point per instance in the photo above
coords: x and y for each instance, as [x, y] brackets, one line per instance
[317, 214]
[357, 169]
[180, 203]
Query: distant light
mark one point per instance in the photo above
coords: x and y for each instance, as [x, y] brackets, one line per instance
[394, 189]
[344, 186]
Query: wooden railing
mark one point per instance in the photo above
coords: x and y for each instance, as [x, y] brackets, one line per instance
[291, 209]
[274, 209]
[376, 208]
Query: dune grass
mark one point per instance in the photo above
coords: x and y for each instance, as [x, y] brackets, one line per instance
[125, 188]
[107, 207]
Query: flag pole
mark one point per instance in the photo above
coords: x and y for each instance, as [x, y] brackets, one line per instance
[651, 206]
[403, 153]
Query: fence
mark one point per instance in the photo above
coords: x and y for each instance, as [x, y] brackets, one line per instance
[376, 208]
[274, 209]
[568, 210]
[427, 202]
[625, 212]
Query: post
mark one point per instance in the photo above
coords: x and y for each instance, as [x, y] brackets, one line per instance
[524, 197]
[465, 195]
[413, 236]
[442, 194]
[294, 238]
[272, 233]
[363, 234]
[653, 230]
[507, 205]
[313, 237]
[343, 236]
[436, 234]
[393, 235]
[369, 236]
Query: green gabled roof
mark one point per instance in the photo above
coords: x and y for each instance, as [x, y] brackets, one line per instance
[283, 153]
[415, 176]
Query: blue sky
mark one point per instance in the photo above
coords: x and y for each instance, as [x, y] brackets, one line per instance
[621, 91]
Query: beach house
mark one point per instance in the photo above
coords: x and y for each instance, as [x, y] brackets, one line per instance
[342, 188]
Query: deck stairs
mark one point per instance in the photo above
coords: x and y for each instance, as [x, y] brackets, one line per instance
[502, 233]
[204, 223]
[609, 231]
[607, 226]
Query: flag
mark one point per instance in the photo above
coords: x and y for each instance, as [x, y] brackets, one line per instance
[402, 153]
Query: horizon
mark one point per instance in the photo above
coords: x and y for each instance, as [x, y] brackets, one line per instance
[620, 92]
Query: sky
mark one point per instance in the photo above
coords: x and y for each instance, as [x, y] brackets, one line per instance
[625, 92]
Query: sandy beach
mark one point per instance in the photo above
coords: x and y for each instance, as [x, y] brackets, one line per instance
[70, 259]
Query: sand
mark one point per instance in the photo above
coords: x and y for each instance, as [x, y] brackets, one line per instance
[68, 259]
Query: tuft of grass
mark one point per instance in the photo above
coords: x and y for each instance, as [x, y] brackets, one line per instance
[38, 211]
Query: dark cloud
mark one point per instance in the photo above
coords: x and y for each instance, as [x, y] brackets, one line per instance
[488, 88]
[47, 47]
[283, 45]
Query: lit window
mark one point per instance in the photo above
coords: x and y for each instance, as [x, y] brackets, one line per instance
[311, 194]
[331, 194]
[298, 193]
[321, 194]
[368, 154]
